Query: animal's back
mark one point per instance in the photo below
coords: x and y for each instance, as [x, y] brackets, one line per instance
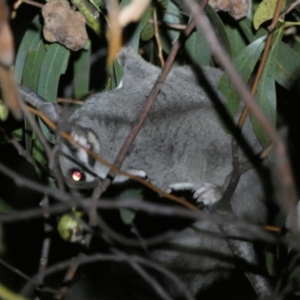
[182, 141]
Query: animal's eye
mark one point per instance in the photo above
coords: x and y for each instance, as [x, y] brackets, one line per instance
[77, 175]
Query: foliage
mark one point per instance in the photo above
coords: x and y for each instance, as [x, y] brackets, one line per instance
[54, 71]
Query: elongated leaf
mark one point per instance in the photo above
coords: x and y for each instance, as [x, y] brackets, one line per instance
[251, 34]
[288, 60]
[266, 93]
[54, 64]
[147, 30]
[144, 22]
[116, 75]
[29, 42]
[245, 63]
[237, 41]
[172, 15]
[127, 215]
[264, 12]
[82, 68]
[287, 66]
[30, 79]
[198, 49]
[38, 154]
[90, 13]
[32, 66]
[219, 28]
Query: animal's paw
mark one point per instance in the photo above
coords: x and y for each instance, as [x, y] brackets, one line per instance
[123, 178]
[204, 193]
[207, 194]
[181, 186]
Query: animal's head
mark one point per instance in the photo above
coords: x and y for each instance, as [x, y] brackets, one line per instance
[77, 164]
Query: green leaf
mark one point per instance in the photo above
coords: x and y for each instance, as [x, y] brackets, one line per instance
[5, 208]
[29, 42]
[39, 155]
[97, 3]
[30, 78]
[117, 74]
[3, 111]
[246, 26]
[245, 63]
[287, 66]
[82, 73]
[266, 92]
[90, 13]
[218, 27]
[237, 41]
[54, 64]
[264, 12]
[127, 215]
[17, 134]
[288, 60]
[172, 15]
[32, 66]
[198, 49]
[147, 31]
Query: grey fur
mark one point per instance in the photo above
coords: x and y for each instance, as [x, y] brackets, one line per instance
[181, 141]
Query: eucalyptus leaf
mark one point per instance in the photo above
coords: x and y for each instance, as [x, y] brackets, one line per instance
[32, 66]
[54, 65]
[30, 79]
[17, 134]
[266, 92]
[287, 66]
[288, 59]
[147, 28]
[82, 68]
[3, 111]
[172, 15]
[29, 42]
[245, 63]
[264, 12]
[197, 48]
[116, 75]
[38, 154]
[218, 27]
[251, 34]
[128, 215]
[237, 41]
[90, 13]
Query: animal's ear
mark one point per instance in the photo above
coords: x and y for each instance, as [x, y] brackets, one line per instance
[135, 68]
[50, 110]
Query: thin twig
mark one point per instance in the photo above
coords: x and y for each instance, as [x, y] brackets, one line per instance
[276, 17]
[23, 275]
[292, 6]
[126, 258]
[169, 25]
[46, 245]
[23, 152]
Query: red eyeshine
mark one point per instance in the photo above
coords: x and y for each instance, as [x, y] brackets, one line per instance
[77, 175]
